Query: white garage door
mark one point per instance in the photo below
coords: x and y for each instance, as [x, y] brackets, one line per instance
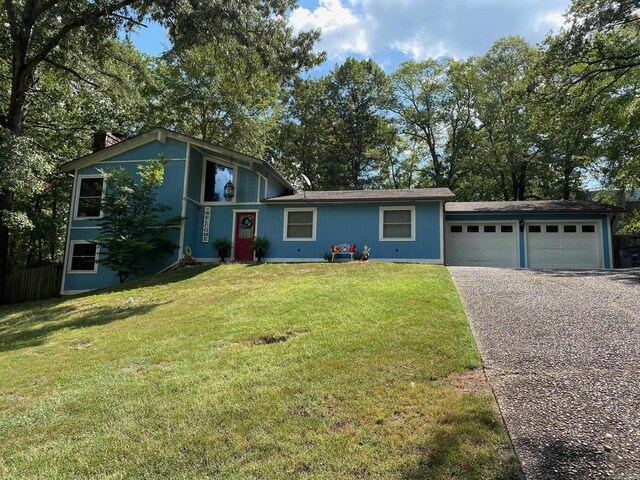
[564, 245]
[482, 244]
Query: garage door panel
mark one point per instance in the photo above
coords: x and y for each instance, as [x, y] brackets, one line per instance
[563, 246]
[481, 244]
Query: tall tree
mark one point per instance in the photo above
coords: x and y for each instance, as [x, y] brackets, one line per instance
[54, 34]
[433, 101]
[357, 91]
[505, 146]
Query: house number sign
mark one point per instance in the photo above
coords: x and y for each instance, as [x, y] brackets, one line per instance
[205, 224]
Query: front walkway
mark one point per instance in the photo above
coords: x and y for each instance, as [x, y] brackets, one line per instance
[562, 353]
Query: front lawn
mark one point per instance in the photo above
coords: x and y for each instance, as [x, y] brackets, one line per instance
[354, 370]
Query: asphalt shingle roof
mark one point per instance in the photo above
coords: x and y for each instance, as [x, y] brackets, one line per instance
[365, 195]
[538, 206]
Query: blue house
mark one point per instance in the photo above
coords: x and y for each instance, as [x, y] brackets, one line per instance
[221, 193]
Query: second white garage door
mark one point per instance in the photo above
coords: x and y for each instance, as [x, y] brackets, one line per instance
[482, 244]
[564, 245]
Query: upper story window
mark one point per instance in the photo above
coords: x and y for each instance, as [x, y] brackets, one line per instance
[300, 224]
[89, 197]
[217, 179]
[397, 223]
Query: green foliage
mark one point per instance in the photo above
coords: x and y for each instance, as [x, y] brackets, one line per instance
[631, 224]
[335, 127]
[131, 229]
[260, 245]
[222, 246]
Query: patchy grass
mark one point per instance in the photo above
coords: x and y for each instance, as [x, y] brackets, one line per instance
[271, 371]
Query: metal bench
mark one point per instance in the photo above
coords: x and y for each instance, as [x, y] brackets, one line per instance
[343, 249]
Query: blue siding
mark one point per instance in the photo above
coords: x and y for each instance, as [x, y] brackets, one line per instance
[275, 187]
[105, 277]
[169, 193]
[336, 223]
[246, 186]
[171, 149]
[536, 217]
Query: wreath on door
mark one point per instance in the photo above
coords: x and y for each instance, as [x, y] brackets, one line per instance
[246, 221]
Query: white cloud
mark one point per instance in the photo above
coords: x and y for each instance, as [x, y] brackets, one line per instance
[549, 21]
[392, 31]
[342, 30]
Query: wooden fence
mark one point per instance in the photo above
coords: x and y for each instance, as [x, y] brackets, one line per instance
[35, 283]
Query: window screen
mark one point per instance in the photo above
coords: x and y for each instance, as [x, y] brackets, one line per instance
[300, 224]
[396, 224]
[90, 197]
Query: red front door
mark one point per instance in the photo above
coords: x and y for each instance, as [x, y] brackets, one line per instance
[245, 231]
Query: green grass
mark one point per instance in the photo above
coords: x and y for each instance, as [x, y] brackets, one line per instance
[270, 371]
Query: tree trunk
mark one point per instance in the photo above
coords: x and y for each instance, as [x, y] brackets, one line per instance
[566, 179]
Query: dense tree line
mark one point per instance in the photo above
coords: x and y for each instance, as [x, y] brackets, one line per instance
[519, 122]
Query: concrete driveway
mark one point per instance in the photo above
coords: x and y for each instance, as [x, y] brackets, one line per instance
[562, 354]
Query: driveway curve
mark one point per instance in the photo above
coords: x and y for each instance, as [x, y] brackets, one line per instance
[562, 354]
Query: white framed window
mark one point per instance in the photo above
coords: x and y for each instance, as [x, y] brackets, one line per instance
[89, 194]
[83, 257]
[397, 224]
[300, 224]
[215, 177]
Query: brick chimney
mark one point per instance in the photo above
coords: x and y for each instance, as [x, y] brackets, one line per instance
[102, 140]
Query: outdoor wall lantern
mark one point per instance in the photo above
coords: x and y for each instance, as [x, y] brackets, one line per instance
[522, 225]
[229, 191]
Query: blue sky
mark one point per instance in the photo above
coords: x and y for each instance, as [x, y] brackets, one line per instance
[392, 31]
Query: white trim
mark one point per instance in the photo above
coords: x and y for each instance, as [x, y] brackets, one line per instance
[76, 195]
[435, 261]
[70, 259]
[233, 230]
[75, 292]
[381, 223]
[203, 175]
[144, 160]
[68, 239]
[294, 260]
[314, 224]
[442, 227]
[183, 211]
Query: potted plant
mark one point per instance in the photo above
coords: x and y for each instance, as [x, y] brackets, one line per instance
[327, 257]
[260, 245]
[222, 246]
[365, 253]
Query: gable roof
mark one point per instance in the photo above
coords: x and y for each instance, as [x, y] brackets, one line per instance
[365, 195]
[161, 134]
[538, 206]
